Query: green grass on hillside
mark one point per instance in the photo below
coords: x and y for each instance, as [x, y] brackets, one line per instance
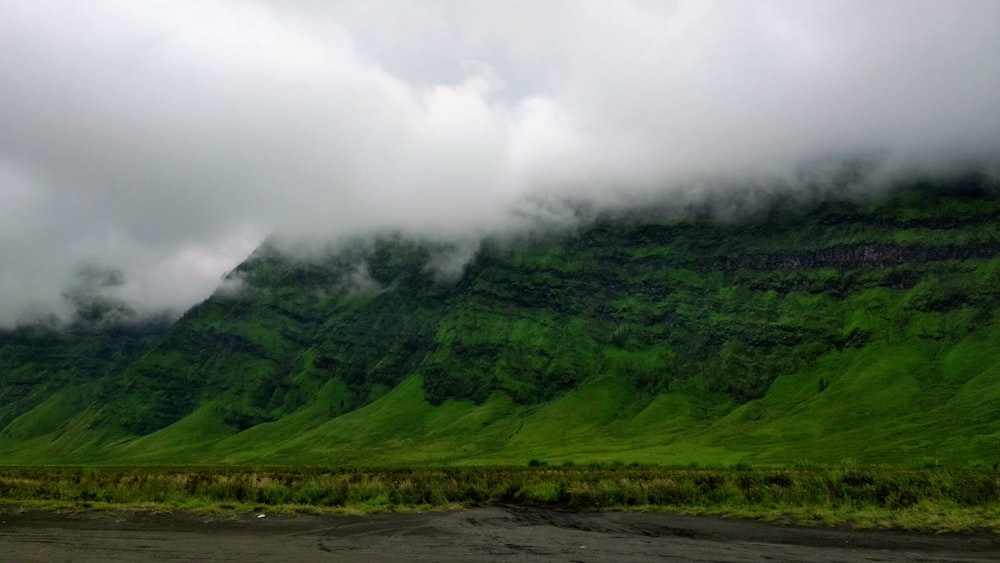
[839, 333]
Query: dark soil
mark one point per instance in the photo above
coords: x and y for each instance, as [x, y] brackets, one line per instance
[502, 533]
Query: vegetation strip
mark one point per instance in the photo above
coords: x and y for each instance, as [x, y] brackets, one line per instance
[931, 499]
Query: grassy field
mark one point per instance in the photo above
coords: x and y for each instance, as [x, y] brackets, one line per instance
[930, 499]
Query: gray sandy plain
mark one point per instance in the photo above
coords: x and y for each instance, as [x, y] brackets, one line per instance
[497, 533]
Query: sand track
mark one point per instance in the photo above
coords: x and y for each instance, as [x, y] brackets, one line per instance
[500, 533]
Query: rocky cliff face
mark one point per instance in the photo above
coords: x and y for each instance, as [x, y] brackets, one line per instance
[861, 257]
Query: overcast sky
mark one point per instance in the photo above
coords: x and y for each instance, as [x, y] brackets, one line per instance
[165, 139]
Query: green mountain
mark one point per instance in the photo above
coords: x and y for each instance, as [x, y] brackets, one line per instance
[783, 330]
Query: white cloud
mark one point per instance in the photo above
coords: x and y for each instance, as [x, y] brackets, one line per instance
[165, 138]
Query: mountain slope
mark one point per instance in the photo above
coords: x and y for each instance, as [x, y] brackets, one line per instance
[819, 331]
[40, 362]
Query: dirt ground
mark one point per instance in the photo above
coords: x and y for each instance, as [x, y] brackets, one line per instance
[504, 533]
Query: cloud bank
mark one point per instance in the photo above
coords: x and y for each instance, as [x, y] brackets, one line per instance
[164, 139]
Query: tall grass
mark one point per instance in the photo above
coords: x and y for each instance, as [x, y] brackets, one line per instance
[860, 495]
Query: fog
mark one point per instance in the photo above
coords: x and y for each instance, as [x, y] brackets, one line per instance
[161, 141]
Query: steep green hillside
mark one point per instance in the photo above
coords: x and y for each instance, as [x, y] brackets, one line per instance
[823, 331]
[362, 317]
[39, 362]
